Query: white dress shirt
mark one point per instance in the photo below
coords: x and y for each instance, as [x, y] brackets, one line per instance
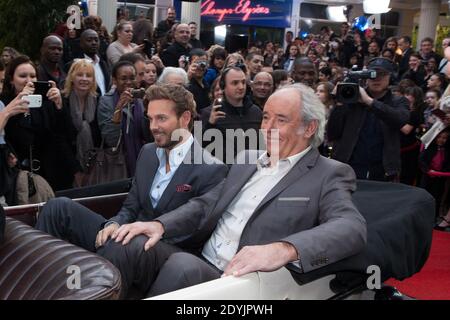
[163, 178]
[224, 242]
[99, 77]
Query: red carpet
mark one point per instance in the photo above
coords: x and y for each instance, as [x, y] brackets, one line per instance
[433, 281]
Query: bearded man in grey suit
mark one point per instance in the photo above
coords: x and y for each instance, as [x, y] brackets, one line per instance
[168, 174]
[290, 206]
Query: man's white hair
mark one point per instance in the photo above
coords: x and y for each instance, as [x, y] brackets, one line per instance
[312, 109]
[171, 70]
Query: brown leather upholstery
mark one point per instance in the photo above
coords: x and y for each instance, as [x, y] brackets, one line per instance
[34, 266]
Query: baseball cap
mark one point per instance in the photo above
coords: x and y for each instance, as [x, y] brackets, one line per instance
[381, 63]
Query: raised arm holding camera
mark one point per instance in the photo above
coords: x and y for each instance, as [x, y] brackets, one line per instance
[366, 133]
[197, 84]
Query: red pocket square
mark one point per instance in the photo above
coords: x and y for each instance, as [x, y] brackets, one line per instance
[184, 188]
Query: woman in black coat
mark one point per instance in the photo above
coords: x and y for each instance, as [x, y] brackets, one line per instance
[38, 138]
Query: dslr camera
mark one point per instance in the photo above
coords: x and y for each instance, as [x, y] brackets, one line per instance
[348, 91]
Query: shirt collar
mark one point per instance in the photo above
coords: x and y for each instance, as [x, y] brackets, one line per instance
[177, 154]
[97, 59]
[264, 160]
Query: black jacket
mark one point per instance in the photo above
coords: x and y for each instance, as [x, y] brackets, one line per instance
[201, 94]
[45, 132]
[163, 28]
[45, 75]
[249, 116]
[195, 43]
[346, 122]
[403, 66]
[172, 54]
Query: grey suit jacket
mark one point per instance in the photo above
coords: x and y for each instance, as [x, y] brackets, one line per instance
[200, 176]
[311, 208]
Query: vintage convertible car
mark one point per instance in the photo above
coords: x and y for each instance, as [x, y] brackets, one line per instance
[399, 218]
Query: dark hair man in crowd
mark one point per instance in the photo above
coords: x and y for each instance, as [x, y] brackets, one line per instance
[169, 173]
[304, 71]
[236, 111]
[262, 88]
[243, 225]
[139, 64]
[427, 50]
[254, 62]
[90, 46]
[180, 47]
[194, 42]
[404, 43]
[197, 85]
[50, 67]
[366, 135]
[166, 25]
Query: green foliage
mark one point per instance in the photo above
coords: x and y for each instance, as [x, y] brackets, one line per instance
[25, 23]
[442, 33]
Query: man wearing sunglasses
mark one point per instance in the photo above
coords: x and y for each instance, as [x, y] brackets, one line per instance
[366, 134]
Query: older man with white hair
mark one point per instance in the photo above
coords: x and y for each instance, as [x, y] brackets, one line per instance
[290, 206]
[172, 75]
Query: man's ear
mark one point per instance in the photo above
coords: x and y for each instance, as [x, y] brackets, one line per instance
[311, 129]
[186, 118]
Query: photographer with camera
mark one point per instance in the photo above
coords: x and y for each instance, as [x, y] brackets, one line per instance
[365, 126]
[197, 84]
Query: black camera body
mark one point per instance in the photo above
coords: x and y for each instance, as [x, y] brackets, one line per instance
[138, 93]
[348, 91]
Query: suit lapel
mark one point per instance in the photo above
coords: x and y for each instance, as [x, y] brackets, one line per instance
[234, 183]
[300, 169]
[150, 172]
[180, 177]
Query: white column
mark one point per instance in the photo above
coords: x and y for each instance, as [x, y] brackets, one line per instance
[295, 19]
[107, 9]
[190, 11]
[429, 18]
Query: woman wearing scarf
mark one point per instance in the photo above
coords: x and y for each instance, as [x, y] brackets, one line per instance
[80, 102]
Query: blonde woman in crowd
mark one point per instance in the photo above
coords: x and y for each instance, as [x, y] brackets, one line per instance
[80, 102]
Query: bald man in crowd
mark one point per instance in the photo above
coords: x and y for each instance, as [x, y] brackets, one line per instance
[262, 88]
[180, 46]
[50, 67]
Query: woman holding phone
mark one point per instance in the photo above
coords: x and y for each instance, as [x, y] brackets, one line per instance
[39, 137]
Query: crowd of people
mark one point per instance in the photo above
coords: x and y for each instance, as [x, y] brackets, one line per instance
[92, 101]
